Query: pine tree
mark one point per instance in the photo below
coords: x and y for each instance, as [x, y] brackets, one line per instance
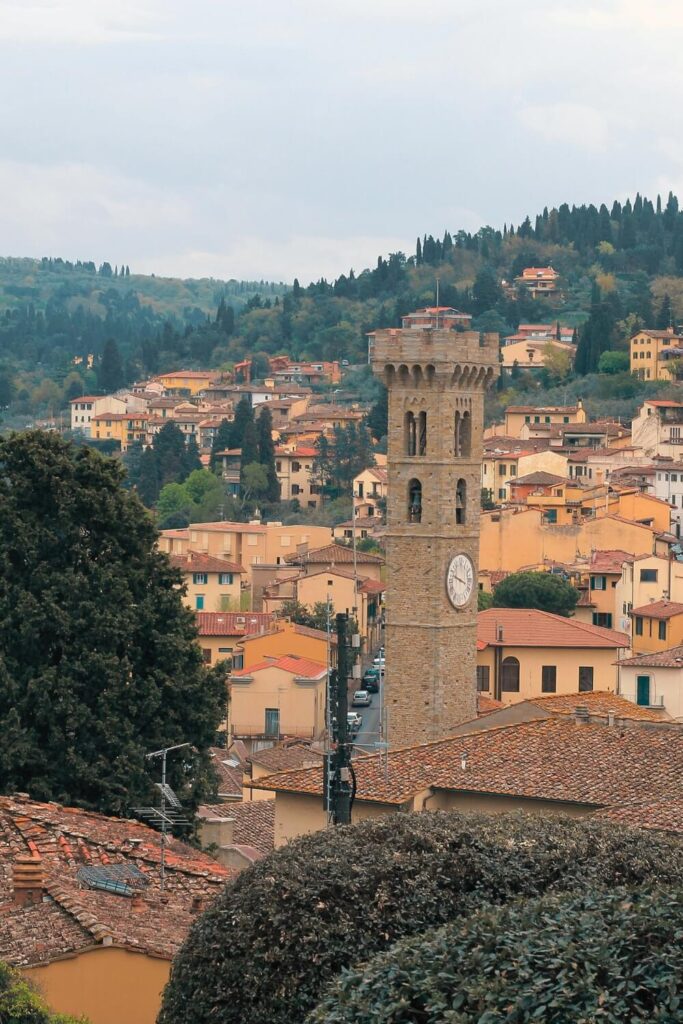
[266, 454]
[99, 662]
[110, 374]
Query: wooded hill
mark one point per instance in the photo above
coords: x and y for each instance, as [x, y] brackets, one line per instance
[620, 266]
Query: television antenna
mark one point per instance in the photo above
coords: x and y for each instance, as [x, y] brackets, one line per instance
[169, 813]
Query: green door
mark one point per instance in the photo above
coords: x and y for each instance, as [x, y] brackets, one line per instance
[643, 691]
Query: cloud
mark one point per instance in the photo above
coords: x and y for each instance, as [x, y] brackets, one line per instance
[622, 15]
[574, 124]
[80, 22]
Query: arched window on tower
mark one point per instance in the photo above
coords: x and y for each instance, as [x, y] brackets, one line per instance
[462, 435]
[410, 434]
[414, 501]
[460, 501]
[422, 434]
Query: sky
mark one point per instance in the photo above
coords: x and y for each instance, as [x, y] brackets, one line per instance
[280, 138]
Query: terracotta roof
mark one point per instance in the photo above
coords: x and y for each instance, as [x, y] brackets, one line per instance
[662, 815]
[229, 773]
[659, 610]
[609, 560]
[540, 479]
[671, 658]
[556, 758]
[372, 587]
[598, 702]
[305, 668]
[334, 554]
[528, 627]
[87, 398]
[254, 824]
[283, 759]
[197, 561]
[191, 374]
[662, 402]
[73, 916]
[232, 623]
[487, 705]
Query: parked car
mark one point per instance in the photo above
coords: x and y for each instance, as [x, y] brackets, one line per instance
[378, 661]
[354, 721]
[361, 699]
[371, 680]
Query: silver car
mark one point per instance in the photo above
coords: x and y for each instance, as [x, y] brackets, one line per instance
[361, 699]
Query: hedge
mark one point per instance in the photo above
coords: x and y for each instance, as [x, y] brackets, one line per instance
[19, 1004]
[270, 944]
[603, 956]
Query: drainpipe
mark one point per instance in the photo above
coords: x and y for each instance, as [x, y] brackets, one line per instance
[497, 662]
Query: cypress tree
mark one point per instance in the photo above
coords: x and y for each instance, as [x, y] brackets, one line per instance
[192, 459]
[110, 376]
[169, 450]
[266, 454]
[221, 441]
[244, 414]
[148, 485]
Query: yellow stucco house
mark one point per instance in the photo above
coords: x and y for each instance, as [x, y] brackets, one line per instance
[294, 470]
[212, 584]
[657, 626]
[123, 427]
[517, 415]
[652, 353]
[523, 653]
[187, 382]
[277, 698]
[220, 633]
[286, 637]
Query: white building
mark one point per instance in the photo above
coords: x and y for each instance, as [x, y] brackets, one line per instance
[669, 487]
[658, 428]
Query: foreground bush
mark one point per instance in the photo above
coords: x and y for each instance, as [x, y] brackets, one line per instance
[598, 956]
[267, 948]
[19, 1004]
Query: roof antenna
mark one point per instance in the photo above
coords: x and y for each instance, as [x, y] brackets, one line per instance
[437, 303]
[169, 811]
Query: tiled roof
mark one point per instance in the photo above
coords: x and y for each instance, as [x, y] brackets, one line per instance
[528, 627]
[284, 759]
[659, 610]
[663, 403]
[487, 705]
[228, 773]
[197, 561]
[304, 668]
[87, 398]
[556, 758]
[191, 374]
[671, 658]
[609, 560]
[662, 815]
[73, 917]
[372, 587]
[540, 479]
[254, 823]
[232, 623]
[334, 554]
[598, 702]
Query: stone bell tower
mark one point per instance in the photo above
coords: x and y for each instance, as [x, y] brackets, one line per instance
[436, 374]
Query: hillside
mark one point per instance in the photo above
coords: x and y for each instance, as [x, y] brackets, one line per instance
[620, 267]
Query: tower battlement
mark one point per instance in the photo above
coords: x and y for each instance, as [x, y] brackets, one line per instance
[401, 356]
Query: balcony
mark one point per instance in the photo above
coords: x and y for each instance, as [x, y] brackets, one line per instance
[242, 731]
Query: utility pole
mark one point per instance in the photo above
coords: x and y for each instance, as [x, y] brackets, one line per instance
[337, 768]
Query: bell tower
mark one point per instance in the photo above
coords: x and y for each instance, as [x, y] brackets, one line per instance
[436, 374]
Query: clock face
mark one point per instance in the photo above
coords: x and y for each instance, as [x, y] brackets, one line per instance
[460, 580]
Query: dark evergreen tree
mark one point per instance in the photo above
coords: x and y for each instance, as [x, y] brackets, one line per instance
[266, 454]
[486, 290]
[665, 314]
[148, 485]
[244, 414]
[192, 459]
[110, 375]
[99, 662]
[169, 450]
[378, 417]
[249, 444]
[132, 459]
[221, 441]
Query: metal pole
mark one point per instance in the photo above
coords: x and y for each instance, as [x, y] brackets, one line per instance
[163, 821]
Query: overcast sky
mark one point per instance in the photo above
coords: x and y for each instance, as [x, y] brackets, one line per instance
[282, 138]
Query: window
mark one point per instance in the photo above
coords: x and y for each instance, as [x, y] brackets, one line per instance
[238, 660]
[513, 471]
[674, 478]
[501, 493]
[483, 678]
[225, 650]
[410, 434]
[225, 579]
[585, 678]
[602, 619]
[509, 678]
[296, 466]
[296, 489]
[502, 469]
[278, 466]
[461, 502]
[548, 678]
[422, 434]
[272, 725]
[414, 501]
[199, 602]
[199, 579]
[206, 655]
[565, 419]
[648, 575]
[639, 625]
[662, 630]
[527, 419]
[547, 419]
[360, 489]
[598, 583]
[643, 691]
[550, 515]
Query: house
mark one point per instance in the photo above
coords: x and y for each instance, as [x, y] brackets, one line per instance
[370, 489]
[605, 571]
[311, 374]
[655, 680]
[531, 353]
[124, 427]
[655, 353]
[443, 317]
[240, 834]
[84, 916]
[188, 382]
[541, 332]
[577, 764]
[668, 486]
[540, 282]
[276, 699]
[517, 415]
[506, 459]
[295, 474]
[282, 758]
[221, 632]
[657, 626]
[658, 428]
[523, 653]
[363, 526]
[368, 564]
[285, 637]
[213, 584]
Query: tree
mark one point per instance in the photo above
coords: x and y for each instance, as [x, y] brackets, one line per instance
[484, 600]
[486, 290]
[192, 460]
[170, 454]
[99, 661]
[243, 414]
[557, 363]
[221, 441]
[266, 455]
[253, 482]
[110, 374]
[148, 484]
[539, 590]
[614, 362]
[378, 418]
[20, 1004]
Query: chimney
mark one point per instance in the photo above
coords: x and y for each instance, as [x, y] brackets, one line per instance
[218, 831]
[28, 880]
[499, 634]
[582, 715]
[610, 718]
[137, 904]
[197, 906]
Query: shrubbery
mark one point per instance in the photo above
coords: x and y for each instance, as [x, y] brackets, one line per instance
[283, 931]
[608, 956]
[19, 1004]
